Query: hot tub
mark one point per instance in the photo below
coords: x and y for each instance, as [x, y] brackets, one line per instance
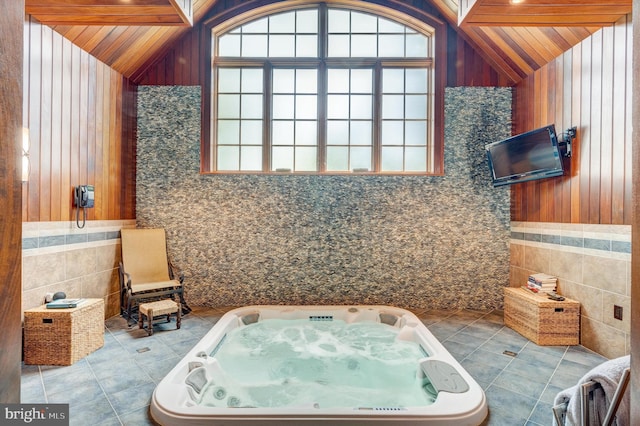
[211, 384]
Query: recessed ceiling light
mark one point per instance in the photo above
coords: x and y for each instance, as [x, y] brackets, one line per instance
[517, 1]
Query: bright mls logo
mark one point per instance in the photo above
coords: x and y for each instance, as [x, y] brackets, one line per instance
[34, 414]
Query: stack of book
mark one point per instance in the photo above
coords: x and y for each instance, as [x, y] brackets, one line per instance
[542, 282]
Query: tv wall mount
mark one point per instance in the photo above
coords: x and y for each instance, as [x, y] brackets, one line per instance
[567, 138]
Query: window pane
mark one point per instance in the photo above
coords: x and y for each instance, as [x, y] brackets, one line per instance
[307, 21]
[416, 80]
[416, 133]
[252, 80]
[306, 81]
[337, 158]
[392, 106]
[416, 106]
[387, 26]
[306, 159]
[229, 45]
[391, 159]
[338, 21]
[257, 26]
[391, 45]
[251, 132]
[361, 133]
[338, 106]
[228, 106]
[282, 46]
[417, 46]
[392, 132]
[306, 133]
[254, 46]
[307, 46]
[251, 158]
[338, 46]
[364, 46]
[361, 158]
[251, 106]
[240, 93]
[363, 23]
[306, 106]
[338, 81]
[282, 157]
[282, 132]
[361, 106]
[283, 106]
[282, 23]
[228, 158]
[283, 81]
[392, 80]
[416, 160]
[228, 131]
[361, 81]
[337, 132]
[228, 80]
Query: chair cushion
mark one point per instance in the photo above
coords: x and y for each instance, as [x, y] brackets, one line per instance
[144, 256]
[136, 288]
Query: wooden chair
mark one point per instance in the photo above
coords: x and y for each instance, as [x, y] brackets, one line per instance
[145, 272]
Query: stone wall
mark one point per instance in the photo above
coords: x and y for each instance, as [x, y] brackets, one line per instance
[409, 241]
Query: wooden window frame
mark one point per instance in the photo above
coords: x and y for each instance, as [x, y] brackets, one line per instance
[403, 15]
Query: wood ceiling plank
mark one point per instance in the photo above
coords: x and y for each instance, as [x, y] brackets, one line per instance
[543, 12]
[111, 12]
[495, 55]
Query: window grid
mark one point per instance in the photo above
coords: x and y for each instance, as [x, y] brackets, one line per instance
[294, 131]
[352, 132]
[237, 128]
[405, 148]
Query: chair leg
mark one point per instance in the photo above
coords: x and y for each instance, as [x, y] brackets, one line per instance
[149, 320]
[178, 316]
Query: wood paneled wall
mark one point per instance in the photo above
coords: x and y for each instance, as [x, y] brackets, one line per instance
[588, 87]
[11, 46]
[181, 65]
[81, 116]
[465, 66]
[635, 230]
[184, 64]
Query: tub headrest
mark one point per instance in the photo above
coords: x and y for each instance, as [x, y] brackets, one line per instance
[197, 379]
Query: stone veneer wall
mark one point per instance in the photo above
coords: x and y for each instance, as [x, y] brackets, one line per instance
[409, 241]
[58, 256]
[593, 266]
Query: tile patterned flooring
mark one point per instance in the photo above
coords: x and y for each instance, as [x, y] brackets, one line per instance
[113, 385]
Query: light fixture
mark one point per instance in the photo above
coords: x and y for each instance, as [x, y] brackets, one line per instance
[516, 1]
[26, 141]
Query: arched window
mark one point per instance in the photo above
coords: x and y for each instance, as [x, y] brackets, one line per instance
[323, 89]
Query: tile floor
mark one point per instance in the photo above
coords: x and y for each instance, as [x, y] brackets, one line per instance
[113, 385]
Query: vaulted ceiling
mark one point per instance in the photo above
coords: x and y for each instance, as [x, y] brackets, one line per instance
[516, 36]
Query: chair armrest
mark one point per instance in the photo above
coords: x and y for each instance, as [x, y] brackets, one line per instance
[125, 278]
[175, 272]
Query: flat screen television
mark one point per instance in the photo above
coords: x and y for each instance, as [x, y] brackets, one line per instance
[524, 157]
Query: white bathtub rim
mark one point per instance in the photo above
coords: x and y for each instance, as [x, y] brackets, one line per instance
[441, 411]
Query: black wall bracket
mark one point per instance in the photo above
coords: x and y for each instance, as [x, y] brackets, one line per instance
[565, 143]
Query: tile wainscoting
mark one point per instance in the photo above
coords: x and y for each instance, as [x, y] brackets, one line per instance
[59, 256]
[593, 266]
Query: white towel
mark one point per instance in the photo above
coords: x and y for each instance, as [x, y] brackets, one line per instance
[608, 375]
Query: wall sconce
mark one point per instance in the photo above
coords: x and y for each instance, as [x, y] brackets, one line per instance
[26, 142]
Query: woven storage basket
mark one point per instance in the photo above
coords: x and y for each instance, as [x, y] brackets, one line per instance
[540, 319]
[63, 336]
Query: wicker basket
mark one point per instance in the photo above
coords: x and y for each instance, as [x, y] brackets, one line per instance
[540, 319]
[63, 336]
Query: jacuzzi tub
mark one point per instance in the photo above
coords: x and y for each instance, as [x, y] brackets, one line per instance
[456, 398]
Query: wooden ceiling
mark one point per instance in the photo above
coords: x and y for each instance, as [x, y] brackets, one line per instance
[111, 12]
[514, 49]
[533, 13]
